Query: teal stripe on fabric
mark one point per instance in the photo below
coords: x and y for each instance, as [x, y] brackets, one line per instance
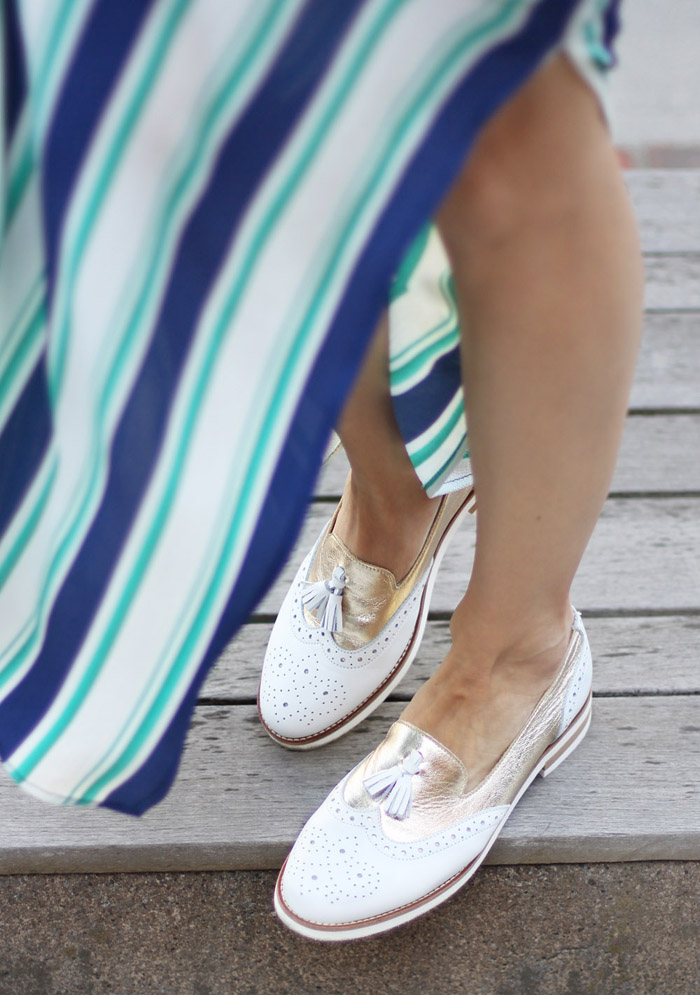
[19, 181]
[423, 356]
[26, 532]
[459, 451]
[272, 14]
[193, 635]
[69, 537]
[409, 264]
[425, 360]
[222, 100]
[23, 319]
[53, 53]
[277, 207]
[106, 173]
[91, 486]
[426, 451]
[15, 370]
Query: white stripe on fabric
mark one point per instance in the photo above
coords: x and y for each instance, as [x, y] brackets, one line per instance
[418, 317]
[50, 31]
[22, 294]
[112, 264]
[68, 754]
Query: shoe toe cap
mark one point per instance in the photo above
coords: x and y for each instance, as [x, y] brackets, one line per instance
[299, 697]
[343, 870]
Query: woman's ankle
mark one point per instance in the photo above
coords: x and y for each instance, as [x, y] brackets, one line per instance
[488, 641]
[385, 526]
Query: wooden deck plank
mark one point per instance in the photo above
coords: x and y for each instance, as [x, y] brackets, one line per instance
[668, 372]
[240, 800]
[648, 655]
[672, 281]
[660, 453]
[643, 555]
[667, 207]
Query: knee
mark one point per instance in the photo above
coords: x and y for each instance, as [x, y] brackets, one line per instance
[506, 191]
[533, 168]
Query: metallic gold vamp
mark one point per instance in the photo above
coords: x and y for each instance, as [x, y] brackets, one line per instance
[442, 794]
[372, 595]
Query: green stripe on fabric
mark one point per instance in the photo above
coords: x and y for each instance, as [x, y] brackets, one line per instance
[23, 318]
[16, 365]
[256, 51]
[279, 202]
[426, 451]
[449, 295]
[458, 451]
[95, 476]
[425, 360]
[149, 73]
[26, 532]
[277, 402]
[59, 37]
[19, 181]
[409, 264]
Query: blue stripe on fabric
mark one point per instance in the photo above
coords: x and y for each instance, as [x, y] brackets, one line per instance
[418, 408]
[104, 47]
[611, 27]
[14, 68]
[23, 443]
[430, 173]
[245, 157]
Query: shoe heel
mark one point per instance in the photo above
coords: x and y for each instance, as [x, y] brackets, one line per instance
[568, 742]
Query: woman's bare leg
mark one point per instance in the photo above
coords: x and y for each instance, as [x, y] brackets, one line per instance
[385, 514]
[545, 257]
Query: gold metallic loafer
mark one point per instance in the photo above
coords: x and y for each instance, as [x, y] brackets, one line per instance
[406, 828]
[346, 634]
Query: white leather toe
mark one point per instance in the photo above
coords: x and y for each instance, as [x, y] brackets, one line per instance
[309, 683]
[343, 869]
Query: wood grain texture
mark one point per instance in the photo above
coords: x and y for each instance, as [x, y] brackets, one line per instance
[631, 656]
[630, 792]
[659, 453]
[672, 281]
[667, 207]
[668, 371]
[643, 555]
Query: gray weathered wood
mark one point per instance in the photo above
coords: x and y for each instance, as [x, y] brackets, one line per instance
[631, 656]
[668, 372]
[659, 453]
[643, 555]
[667, 207]
[630, 792]
[672, 281]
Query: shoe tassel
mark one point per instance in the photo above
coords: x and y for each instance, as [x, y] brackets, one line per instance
[324, 598]
[393, 786]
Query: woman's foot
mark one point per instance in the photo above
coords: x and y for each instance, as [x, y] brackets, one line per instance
[385, 529]
[480, 697]
[406, 828]
[347, 631]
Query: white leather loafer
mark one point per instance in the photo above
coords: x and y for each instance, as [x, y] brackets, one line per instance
[346, 634]
[406, 829]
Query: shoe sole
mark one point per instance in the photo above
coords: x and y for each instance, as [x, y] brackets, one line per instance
[555, 754]
[400, 670]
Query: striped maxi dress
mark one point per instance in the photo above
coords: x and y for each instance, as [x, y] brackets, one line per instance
[206, 205]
